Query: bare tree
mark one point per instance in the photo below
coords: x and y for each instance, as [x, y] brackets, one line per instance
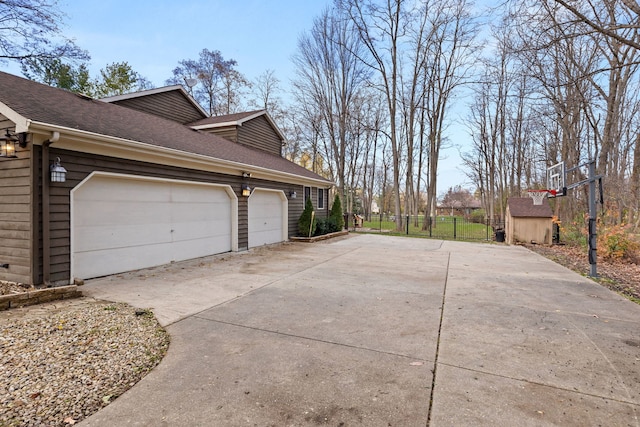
[32, 30]
[631, 23]
[381, 28]
[452, 54]
[266, 88]
[220, 86]
[329, 78]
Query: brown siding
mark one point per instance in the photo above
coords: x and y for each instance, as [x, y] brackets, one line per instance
[258, 133]
[243, 223]
[229, 133]
[15, 218]
[169, 105]
[80, 165]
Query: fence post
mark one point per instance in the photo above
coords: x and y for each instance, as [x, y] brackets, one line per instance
[455, 231]
[486, 226]
[407, 225]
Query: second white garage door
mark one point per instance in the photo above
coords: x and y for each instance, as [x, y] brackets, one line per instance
[267, 217]
[122, 223]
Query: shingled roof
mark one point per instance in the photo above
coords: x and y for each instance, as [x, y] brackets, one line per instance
[523, 207]
[46, 106]
[235, 118]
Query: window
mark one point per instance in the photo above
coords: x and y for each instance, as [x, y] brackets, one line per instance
[307, 194]
[320, 198]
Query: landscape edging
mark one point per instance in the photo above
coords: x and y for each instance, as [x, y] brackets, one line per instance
[321, 237]
[38, 296]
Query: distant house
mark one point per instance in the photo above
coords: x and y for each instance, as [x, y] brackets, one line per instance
[150, 179]
[458, 207]
[528, 223]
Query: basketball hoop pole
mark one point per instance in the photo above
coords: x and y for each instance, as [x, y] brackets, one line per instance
[593, 251]
[593, 236]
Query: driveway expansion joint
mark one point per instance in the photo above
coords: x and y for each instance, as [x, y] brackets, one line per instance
[435, 359]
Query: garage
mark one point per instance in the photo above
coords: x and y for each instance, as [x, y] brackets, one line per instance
[267, 217]
[124, 222]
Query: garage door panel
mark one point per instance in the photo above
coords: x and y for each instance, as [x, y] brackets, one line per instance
[197, 195]
[104, 262]
[123, 223]
[267, 211]
[194, 248]
[115, 213]
[190, 212]
[103, 237]
[108, 188]
[199, 230]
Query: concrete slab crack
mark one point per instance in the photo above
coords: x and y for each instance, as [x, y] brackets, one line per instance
[434, 371]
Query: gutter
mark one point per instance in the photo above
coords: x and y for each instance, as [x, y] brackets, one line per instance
[76, 140]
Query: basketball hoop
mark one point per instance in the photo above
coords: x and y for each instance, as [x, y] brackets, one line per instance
[539, 195]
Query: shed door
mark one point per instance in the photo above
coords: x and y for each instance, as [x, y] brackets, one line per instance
[122, 223]
[267, 217]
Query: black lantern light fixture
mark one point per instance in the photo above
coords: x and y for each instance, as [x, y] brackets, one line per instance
[246, 190]
[8, 144]
[58, 173]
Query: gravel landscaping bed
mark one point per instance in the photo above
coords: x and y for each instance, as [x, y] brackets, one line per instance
[61, 362]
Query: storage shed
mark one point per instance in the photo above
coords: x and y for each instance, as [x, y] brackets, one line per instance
[526, 222]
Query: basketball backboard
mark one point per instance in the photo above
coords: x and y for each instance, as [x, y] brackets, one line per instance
[556, 176]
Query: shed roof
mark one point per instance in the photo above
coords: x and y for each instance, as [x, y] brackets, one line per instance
[523, 207]
[31, 103]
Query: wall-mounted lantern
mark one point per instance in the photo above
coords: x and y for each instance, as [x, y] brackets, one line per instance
[246, 190]
[58, 173]
[293, 195]
[8, 143]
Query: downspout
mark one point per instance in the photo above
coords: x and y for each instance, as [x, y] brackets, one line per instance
[46, 226]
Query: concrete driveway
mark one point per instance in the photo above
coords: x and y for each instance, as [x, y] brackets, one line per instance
[381, 331]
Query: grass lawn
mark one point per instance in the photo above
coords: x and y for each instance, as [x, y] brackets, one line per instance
[443, 227]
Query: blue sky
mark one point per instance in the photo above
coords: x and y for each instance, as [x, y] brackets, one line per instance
[153, 36]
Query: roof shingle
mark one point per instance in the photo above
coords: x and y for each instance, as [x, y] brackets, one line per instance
[41, 103]
[523, 207]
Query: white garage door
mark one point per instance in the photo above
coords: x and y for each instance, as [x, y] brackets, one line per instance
[122, 223]
[267, 217]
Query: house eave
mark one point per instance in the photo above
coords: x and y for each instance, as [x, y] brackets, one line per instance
[98, 144]
[21, 123]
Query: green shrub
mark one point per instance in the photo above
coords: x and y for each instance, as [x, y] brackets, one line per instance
[332, 226]
[336, 214]
[307, 222]
[478, 216]
[325, 226]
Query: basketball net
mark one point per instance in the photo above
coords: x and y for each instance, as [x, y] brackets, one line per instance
[537, 196]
